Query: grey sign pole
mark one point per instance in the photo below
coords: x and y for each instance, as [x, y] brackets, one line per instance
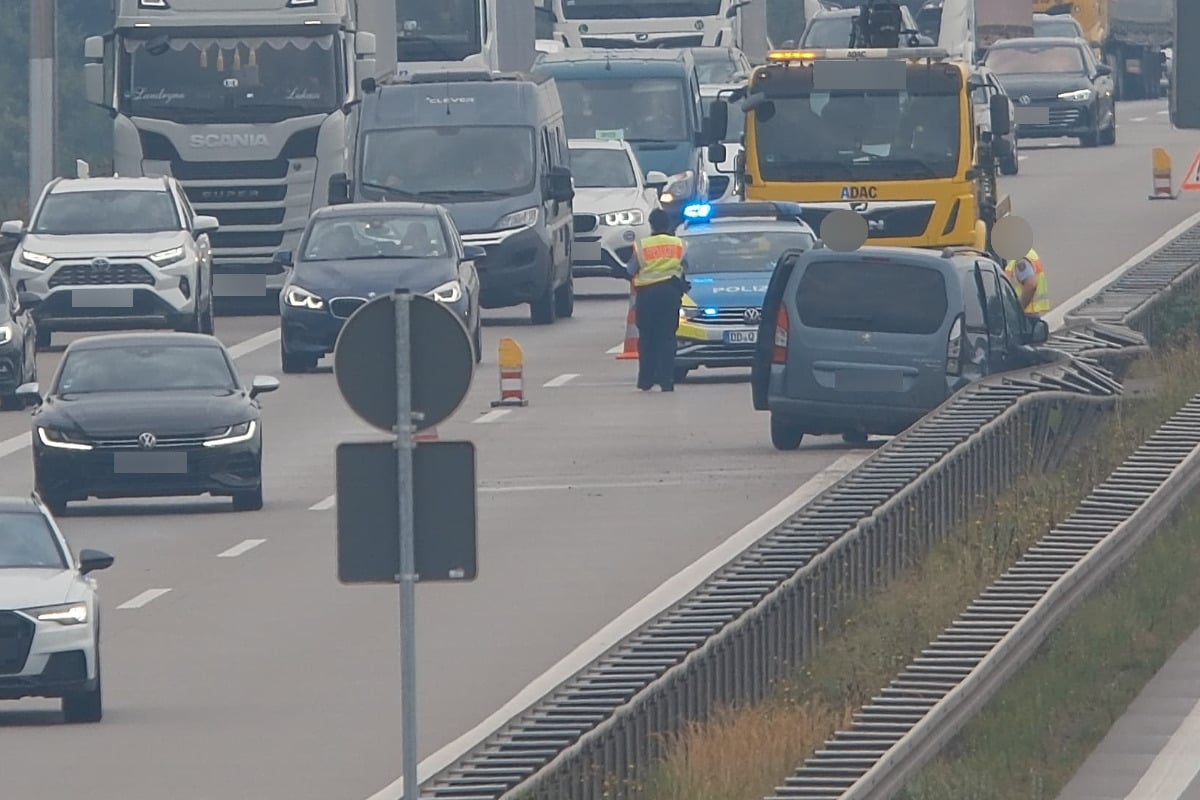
[42, 97]
[408, 568]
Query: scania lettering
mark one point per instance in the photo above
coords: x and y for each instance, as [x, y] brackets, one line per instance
[248, 105]
[888, 133]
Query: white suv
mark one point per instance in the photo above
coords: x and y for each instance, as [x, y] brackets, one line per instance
[113, 254]
[49, 613]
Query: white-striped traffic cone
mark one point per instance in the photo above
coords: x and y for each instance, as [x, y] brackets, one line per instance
[512, 374]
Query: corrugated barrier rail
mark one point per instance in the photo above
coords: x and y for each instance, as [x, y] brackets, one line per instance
[761, 616]
[906, 724]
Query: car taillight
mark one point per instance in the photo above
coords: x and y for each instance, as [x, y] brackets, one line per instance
[779, 352]
[954, 347]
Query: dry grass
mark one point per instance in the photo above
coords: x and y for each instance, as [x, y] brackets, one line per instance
[743, 754]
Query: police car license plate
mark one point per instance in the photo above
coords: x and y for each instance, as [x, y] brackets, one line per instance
[741, 337]
[1032, 115]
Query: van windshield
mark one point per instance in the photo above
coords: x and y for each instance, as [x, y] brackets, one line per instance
[450, 161]
[633, 109]
[872, 297]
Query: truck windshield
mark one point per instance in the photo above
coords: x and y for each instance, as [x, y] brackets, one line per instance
[859, 137]
[641, 9]
[437, 30]
[636, 110]
[235, 79]
[447, 162]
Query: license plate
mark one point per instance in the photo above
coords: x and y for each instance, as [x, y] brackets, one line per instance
[869, 381]
[150, 463]
[102, 297]
[228, 285]
[1032, 115]
[741, 337]
[586, 252]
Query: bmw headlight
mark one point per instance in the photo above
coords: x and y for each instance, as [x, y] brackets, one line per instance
[234, 434]
[298, 297]
[518, 219]
[166, 257]
[65, 614]
[6, 333]
[1077, 96]
[59, 440]
[630, 216]
[35, 259]
[448, 292]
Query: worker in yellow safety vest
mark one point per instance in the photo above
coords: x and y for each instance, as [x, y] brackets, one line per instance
[1028, 277]
[656, 270]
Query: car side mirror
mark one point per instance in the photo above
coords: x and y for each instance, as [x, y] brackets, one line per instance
[12, 228]
[473, 252]
[1037, 332]
[26, 300]
[206, 224]
[31, 393]
[262, 384]
[339, 189]
[559, 186]
[283, 259]
[93, 560]
[1103, 69]
[716, 124]
[717, 153]
[998, 113]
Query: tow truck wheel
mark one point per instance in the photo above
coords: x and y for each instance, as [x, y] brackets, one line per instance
[785, 434]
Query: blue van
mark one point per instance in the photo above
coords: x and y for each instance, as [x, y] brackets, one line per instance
[649, 98]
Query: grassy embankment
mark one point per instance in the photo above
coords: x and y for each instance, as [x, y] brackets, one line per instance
[742, 754]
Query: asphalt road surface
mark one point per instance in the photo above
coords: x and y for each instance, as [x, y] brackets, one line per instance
[239, 667]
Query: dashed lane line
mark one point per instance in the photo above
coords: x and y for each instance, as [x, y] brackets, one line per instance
[241, 547]
[1138, 119]
[492, 416]
[325, 504]
[142, 599]
[561, 380]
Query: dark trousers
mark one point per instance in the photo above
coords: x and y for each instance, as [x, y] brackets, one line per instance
[657, 309]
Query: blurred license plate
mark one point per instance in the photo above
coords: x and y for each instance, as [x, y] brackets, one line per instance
[741, 337]
[869, 380]
[150, 463]
[585, 251]
[1032, 115]
[102, 297]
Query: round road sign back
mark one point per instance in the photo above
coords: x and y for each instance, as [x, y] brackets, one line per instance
[365, 362]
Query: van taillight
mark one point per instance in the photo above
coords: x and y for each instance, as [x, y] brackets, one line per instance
[954, 347]
[779, 353]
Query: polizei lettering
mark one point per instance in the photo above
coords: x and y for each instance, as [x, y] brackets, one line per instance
[859, 193]
[228, 140]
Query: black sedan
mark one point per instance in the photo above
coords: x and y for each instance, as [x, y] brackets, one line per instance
[1057, 87]
[18, 343]
[148, 415]
[352, 253]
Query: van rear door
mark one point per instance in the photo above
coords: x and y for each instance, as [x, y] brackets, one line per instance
[869, 331]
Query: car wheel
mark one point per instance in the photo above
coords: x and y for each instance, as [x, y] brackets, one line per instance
[564, 299]
[542, 310]
[207, 324]
[785, 435]
[1108, 136]
[292, 364]
[85, 706]
[1090, 139]
[248, 501]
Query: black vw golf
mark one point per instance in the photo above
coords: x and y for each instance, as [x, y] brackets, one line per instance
[148, 415]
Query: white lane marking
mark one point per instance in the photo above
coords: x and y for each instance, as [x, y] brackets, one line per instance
[144, 598]
[325, 504]
[493, 415]
[1056, 318]
[1138, 119]
[254, 343]
[612, 351]
[561, 380]
[1163, 113]
[16, 444]
[666, 595]
[1022, 158]
[1175, 766]
[240, 548]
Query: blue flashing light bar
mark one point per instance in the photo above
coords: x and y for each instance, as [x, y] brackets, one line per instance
[698, 211]
[761, 209]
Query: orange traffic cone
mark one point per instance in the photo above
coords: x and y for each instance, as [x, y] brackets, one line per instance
[630, 348]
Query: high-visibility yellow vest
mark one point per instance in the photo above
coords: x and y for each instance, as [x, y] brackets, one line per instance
[1040, 303]
[660, 258]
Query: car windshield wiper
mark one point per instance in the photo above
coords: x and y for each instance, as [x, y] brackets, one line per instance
[812, 169]
[906, 166]
[389, 189]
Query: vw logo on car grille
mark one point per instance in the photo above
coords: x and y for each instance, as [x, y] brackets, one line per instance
[100, 263]
[147, 441]
[753, 315]
[1024, 100]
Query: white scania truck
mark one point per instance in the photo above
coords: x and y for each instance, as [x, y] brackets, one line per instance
[249, 103]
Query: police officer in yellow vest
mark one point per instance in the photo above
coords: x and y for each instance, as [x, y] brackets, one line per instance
[657, 270]
[1028, 277]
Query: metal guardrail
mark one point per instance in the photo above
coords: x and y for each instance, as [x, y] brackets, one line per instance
[907, 724]
[762, 615]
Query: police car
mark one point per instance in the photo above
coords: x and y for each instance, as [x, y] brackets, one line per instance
[731, 252]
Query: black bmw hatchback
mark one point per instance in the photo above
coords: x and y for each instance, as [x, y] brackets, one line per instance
[148, 415]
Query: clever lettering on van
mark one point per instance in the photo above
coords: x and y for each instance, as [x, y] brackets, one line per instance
[445, 101]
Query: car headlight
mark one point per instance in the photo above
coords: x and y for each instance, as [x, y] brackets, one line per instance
[298, 297]
[166, 257]
[518, 219]
[36, 259]
[234, 434]
[630, 216]
[448, 292]
[689, 309]
[6, 333]
[679, 187]
[1077, 96]
[65, 614]
[59, 440]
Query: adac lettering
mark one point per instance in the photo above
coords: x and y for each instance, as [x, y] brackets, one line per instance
[859, 193]
[229, 140]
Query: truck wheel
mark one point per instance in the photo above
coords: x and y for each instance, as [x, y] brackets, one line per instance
[541, 311]
[564, 299]
[785, 434]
